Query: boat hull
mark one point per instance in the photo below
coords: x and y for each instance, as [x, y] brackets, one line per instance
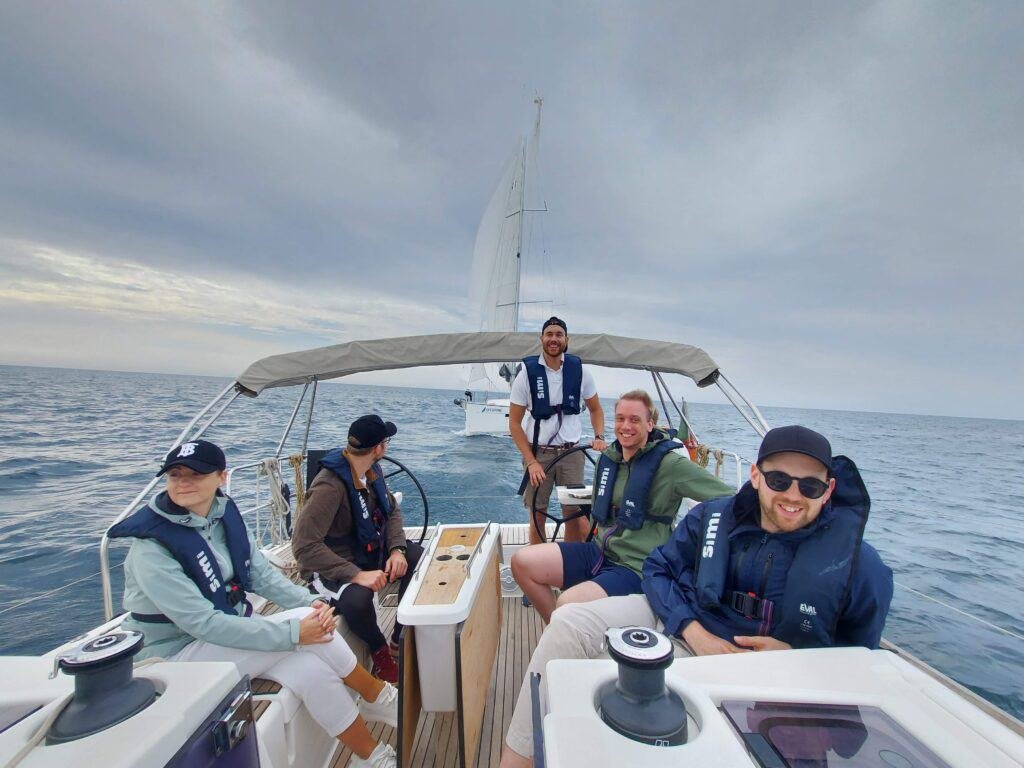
[490, 418]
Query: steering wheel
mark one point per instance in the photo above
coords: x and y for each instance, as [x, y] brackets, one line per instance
[560, 520]
[404, 470]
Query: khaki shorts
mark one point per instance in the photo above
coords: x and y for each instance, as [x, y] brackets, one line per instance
[568, 471]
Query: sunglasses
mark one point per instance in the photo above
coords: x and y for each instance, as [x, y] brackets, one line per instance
[779, 481]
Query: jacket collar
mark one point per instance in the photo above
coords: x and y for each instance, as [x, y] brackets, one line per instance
[371, 476]
[161, 504]
[614, 451]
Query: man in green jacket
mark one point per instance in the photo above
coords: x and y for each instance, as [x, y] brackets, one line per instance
[648, 480]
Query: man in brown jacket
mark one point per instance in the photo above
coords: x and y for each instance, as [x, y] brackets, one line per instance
[346, 557]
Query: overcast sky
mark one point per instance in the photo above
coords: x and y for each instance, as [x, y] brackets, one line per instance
[827, 197]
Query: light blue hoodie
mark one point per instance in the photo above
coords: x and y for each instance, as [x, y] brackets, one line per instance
[154, 582]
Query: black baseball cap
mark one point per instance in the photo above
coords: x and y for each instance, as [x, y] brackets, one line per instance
[796, 439]
[554, 321]
[368, 431]
[201, 456]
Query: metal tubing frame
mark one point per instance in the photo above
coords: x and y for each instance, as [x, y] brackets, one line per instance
[288, 429]
[309, 418]
[682, 414]
[214, 418]
[661, 397]
[753, 407]
[760, 426]
[198, 416]
[108, 599]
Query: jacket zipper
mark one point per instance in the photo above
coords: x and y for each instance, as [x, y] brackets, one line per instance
[764, 576]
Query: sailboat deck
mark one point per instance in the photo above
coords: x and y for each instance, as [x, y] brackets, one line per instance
[437, 742]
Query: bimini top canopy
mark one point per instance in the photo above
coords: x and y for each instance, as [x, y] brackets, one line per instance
[454, 348]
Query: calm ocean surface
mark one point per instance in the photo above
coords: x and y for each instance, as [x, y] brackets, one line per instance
[76, 446]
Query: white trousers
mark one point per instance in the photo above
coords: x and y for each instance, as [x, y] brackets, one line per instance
[312, 672]
[577, 631]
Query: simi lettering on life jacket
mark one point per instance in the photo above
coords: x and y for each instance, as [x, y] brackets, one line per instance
[368, 530]
[193, 552]
[540, 393]
[818, 580]
[643, 467]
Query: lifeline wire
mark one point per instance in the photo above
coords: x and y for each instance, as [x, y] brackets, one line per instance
[1005, 631]
[51, 592]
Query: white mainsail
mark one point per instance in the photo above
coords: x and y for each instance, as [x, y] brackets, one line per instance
[497, 253]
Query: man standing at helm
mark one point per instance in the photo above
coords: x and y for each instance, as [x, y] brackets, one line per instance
[547, 396]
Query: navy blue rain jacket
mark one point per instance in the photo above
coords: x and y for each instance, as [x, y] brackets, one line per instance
[668, 577]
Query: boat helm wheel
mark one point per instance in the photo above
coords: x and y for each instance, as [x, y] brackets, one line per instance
[404, 470]
[562, 519]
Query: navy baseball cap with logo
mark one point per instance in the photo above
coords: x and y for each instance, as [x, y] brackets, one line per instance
[796, 439]
[201, 456]
[368, 431]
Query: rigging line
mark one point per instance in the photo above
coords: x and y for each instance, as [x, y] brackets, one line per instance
[1005, 631]
[32, 599]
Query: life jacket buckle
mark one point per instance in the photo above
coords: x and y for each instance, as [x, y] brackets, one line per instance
[747, 603]
[235, 593]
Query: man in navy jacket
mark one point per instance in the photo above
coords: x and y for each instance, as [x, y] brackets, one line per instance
[781, 564]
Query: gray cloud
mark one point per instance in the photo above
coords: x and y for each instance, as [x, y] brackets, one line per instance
[827, 197]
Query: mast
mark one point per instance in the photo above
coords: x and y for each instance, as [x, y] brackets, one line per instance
[534, 138]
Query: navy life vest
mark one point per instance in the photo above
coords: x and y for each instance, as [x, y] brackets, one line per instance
[819, 578]
[540, 393]
[643, 467]
[368, 531]
[193, 552]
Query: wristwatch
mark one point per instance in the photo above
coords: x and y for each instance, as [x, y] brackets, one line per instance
[398, 549]
[599, 437]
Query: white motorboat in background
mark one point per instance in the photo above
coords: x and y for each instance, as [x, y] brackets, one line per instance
[467, 639]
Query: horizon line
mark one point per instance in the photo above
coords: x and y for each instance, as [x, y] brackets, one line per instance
[340, 380]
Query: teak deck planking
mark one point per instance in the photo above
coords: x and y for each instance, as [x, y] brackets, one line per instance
[437, 737]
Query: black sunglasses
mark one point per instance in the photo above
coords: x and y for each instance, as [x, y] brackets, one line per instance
[780, 481]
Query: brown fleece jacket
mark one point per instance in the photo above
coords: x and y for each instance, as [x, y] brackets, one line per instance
[327, 513]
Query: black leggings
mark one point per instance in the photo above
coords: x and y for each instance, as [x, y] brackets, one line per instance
[356, 604]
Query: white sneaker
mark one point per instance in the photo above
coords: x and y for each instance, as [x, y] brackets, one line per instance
[384, 709]
[381, 757]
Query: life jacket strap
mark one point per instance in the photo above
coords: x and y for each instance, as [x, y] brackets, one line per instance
[235, 595]
[534, 445]
[151, 618]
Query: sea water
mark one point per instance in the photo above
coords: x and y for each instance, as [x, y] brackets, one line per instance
[76, 447]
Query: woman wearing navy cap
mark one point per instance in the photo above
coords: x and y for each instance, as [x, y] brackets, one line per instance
[187, 573]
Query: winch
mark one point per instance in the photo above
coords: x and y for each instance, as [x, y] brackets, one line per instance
[105, 691]
[638, 704]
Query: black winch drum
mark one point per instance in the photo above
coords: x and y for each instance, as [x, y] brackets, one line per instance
[638, 704]
[105, 691]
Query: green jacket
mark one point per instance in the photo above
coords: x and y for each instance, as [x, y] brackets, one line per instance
[155, 583]
[677, 478]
